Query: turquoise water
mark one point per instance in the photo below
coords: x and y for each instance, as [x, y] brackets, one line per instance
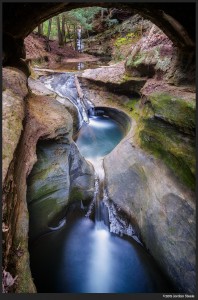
[99, 137]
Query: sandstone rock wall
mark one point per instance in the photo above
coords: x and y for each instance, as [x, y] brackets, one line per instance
[163, 209]
[156, 190]
[46, 119]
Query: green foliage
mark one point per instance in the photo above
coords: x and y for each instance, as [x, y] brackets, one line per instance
[130, 38]
[77, 17]
[54, 30]
[82, 16]
[111, 22]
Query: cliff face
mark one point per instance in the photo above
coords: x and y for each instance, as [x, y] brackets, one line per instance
[45, 119]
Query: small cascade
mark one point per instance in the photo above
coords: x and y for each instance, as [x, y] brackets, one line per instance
[90, 108]
[107, 215]
[79, 44]
[66, 85]
[101, 211]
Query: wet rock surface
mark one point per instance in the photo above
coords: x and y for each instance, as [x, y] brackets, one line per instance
[60, 176]
[118, 83]
[161, 207]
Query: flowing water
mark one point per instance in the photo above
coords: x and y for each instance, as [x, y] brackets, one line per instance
[64, 85]
[84, 256]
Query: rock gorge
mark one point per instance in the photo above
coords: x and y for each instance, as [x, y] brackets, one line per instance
[153, 174]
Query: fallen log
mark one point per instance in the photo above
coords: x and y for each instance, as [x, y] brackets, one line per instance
[79, 90]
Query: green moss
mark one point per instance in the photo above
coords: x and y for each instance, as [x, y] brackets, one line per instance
[131, 104]
[175, 149]
[19, 263]
[24, 282]
[175, 110]
[75, 194]
[138, 59]
[43, 191]
[129, 38]
[41, 174]
[135, 61]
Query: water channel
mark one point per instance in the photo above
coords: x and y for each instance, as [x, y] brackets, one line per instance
[84, 255]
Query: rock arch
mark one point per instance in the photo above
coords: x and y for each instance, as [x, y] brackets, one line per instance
[177, 20]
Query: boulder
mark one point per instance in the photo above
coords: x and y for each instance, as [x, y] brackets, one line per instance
[118, 83]
[61, 175]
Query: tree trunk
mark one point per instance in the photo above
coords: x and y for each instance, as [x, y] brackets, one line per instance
[78, 87]
[75, 37]
[69, 35]
[63, 28]
[48, 35]
[49, 29]
[40, 29]
[102, 14]
[60, 38]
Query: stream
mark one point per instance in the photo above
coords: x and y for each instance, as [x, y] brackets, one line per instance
[93, 255]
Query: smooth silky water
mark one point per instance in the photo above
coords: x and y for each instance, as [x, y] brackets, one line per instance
[98, 138]
[83, 256]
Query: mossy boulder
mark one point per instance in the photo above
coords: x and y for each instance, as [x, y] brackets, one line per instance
[61, 175]
[151, 55]
[175, 110]
[166, 128]
[174, 148]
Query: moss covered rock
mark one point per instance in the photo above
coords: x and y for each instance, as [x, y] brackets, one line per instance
[174, 148]
[151, 55]
[61, 175]
[175, 110]
[162, 207]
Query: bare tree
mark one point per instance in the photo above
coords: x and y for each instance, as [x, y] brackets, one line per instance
[63, 28]
[48, 35]
[60, 37]
[68, 33]
[49, 28]
[40, 29]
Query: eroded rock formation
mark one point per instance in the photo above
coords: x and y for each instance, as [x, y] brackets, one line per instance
[46, 119]
[163, 209]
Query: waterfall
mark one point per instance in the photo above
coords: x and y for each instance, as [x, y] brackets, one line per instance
[79, 44]
[107, 215]
[101, 211]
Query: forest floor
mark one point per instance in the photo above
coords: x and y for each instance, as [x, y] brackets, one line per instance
[51, 55]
